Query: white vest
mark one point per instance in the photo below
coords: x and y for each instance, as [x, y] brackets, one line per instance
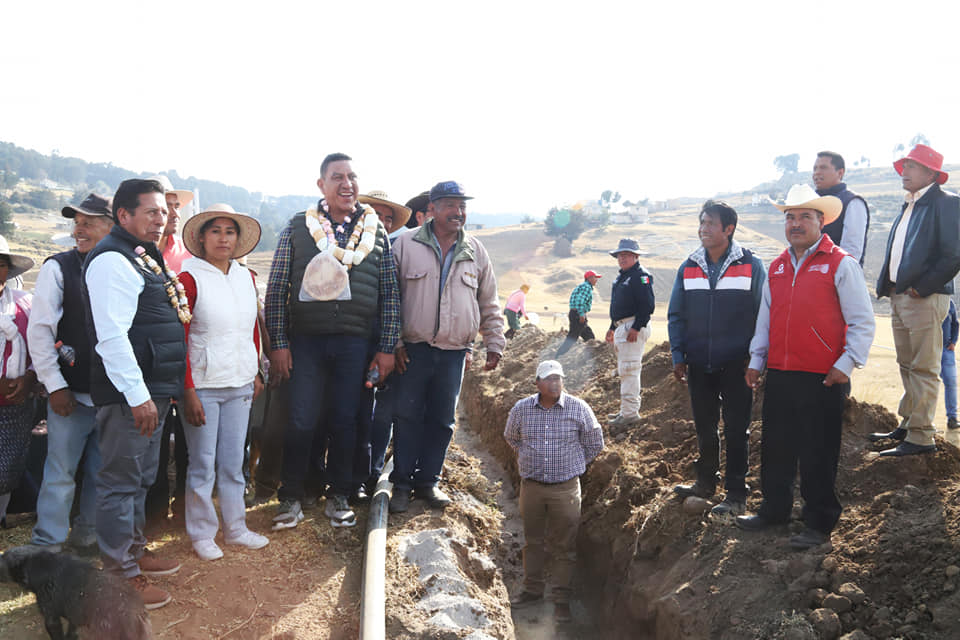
[221, 349]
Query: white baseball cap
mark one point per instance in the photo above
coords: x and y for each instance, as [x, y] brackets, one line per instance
[549, 368]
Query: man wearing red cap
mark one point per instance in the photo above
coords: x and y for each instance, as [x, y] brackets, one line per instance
[581, 299]
[922, 258]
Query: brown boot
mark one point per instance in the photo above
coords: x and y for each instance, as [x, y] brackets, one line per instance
[153, 565]
[153, 596]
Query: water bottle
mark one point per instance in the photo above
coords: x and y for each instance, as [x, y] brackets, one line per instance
[373, 377]
[65, 353]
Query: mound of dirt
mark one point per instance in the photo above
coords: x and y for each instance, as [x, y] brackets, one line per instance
[650, 569]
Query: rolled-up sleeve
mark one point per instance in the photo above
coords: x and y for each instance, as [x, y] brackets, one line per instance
[114, 287]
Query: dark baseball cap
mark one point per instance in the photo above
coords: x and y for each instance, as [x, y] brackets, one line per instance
[448, 189]
[93, 205]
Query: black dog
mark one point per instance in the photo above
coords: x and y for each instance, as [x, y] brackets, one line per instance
[68, 587]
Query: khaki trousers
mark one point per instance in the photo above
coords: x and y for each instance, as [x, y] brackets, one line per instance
[550, 510]
[629, 364]
[918, 337]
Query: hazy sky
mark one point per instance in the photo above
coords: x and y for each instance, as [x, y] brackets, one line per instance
[529, 104]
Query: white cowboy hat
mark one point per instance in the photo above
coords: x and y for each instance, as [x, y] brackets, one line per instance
[185, 196]
[400, 213]
[802, 196]
[248, 226]
[19, 264]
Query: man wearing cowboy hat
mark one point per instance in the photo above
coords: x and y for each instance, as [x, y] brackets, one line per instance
[713, 308]
[136, 329]
[59, 315]
[922, 258]
[810, 349]
[448, 293]
[320, 336]
[849, 230]
[393, 216]
[581, 300]
[171, 245]
[631, 305]
[418, 204]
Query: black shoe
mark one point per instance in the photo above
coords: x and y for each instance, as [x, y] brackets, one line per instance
[754, 523]
[399, 501]
[525, 598]
[897, 434]
[696, 489]
[952, 423]
[808, 539]
[434, 497]
[360, 496]
[909, 449]
[561, 612]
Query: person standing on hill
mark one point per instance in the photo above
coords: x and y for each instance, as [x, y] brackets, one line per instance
[922, 258]
[713, 309]
[59, 315]
[581, 299]
[815, 325]
[948, 365]
[849, 231]
[555, 436]
[631, 305]
[514, 309]
[448, 292]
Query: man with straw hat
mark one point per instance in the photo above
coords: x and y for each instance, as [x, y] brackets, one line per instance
[59, 317]
[815, 325]
[137, 312]
[394, 216]
[174, 252]
[921, 260]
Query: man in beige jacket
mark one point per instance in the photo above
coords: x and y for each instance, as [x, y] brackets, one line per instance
[448, 292]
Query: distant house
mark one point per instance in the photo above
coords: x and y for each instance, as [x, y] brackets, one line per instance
[47, 183]
[473, 226]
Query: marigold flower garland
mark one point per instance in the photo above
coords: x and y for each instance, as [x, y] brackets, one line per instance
[175, 290]
[358, 246]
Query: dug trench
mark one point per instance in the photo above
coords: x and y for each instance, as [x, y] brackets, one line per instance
[649, 568]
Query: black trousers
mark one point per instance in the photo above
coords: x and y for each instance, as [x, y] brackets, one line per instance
[577, 330]
[158, 496]
[723, 389]
[802, 421]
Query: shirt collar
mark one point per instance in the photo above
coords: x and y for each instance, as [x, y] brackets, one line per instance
[913, 197]
[560, 402]
[809, 252]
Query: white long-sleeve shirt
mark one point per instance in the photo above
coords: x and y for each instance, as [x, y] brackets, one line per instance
[42, 330]
[114, 287]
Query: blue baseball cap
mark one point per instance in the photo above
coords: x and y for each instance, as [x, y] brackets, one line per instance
[448, 189]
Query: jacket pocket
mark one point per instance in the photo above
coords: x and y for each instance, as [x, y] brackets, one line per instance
[167, 359]
[820, 338]
[470, 279]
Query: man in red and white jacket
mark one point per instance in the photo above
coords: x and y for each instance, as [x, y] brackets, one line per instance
[814, 326]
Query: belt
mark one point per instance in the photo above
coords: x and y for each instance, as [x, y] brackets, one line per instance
[623, 321]
[548, 484]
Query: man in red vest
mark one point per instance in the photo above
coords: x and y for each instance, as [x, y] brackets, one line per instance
[814, 326]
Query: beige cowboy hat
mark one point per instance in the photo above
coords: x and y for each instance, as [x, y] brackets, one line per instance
[185, 196]
[19, 264]
[249, 229]
[400, 213]
[802, 196]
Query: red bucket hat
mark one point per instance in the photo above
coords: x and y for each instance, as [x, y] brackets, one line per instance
[922, 154]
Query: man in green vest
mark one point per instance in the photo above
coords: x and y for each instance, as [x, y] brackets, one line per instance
[320, 333]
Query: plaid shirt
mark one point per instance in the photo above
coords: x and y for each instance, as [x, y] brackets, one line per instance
[582, 298]
[555, 444]
[278, 290]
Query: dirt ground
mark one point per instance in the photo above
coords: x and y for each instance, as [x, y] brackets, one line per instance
[648, 569]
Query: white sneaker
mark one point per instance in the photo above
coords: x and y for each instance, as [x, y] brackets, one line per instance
[207, 550]
[250, 540]
[289, 515]
[339, 512]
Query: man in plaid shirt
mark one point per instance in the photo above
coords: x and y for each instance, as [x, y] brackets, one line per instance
[555, 436]
[580, 302]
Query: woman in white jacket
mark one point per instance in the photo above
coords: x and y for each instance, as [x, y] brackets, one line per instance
[222, 374]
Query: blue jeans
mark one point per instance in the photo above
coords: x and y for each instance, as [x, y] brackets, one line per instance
[322, 364]
[69, 439]
[128, 468]
[425, 408]
[948, 372]
[216, 455]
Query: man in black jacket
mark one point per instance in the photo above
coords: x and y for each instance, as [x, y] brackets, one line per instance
[922, 258]
[631, 305]
[849, 231]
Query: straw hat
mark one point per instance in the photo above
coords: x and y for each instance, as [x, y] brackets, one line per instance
[185, 196]
[400, 213]
[249, 229]
[802, 196]
[18, 264]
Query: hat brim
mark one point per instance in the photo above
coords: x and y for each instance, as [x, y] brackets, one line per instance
[400, 213]
[942, 176]
[186, 197]
[19, 264]
[829, 206]
[71, 211]
[614, 253]
[249, 232]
